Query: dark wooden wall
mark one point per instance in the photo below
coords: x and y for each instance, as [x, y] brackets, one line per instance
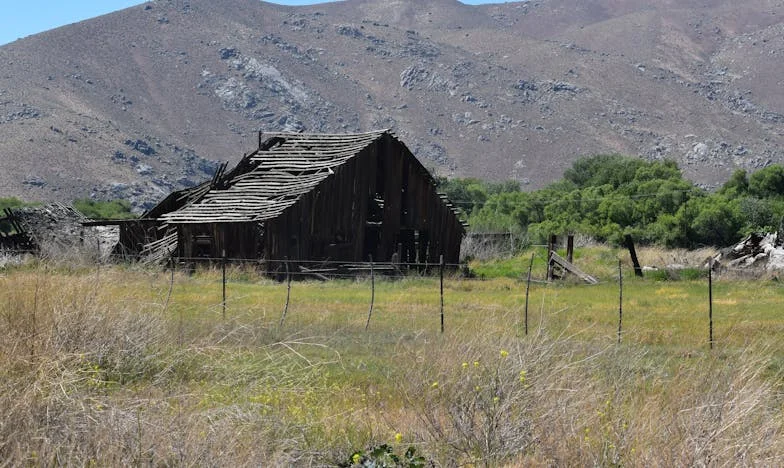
[210, 240]
[332, 221]
[328, 222]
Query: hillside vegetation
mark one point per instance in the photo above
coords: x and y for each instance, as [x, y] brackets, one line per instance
[609, 196]
[147, 100]
[110, 366]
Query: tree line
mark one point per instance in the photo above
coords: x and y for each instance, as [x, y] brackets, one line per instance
[603, 196]
[609, 196]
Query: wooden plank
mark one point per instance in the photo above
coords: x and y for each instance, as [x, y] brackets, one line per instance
[571, 268]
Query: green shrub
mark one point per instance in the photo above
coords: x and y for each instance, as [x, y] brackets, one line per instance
[662, 275]
[693, 273]
[384, 456]
[94, 209]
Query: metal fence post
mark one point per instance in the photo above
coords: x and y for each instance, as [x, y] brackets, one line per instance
[288, 292]
[372, 292]
[710, 303]
[223, 272]
[441, 274]
[620, 299]
[527, 289]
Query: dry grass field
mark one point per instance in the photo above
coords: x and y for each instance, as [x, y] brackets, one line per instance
[102, 366]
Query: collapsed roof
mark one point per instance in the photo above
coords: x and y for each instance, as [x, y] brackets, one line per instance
[274, 177]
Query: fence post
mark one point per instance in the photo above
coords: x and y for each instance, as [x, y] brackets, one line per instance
[223, 271]
[570, 248]
[288, 291]
[710, 303]
[441, 274]
[372, 292]
[35, 313]
[550, 248]
[620, 299]
[180, 317]
[527, 289]
[633, 253]
[171, 281]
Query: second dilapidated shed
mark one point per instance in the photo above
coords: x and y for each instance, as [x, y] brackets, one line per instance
[322, 197]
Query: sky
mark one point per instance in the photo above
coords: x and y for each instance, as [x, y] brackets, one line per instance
[21, 18]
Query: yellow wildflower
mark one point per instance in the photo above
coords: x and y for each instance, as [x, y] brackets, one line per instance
[476, 363]
[434, 385]
[504, 353]
[398, 437]
[465, 365]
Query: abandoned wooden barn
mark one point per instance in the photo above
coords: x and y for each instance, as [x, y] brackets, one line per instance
[321, 197]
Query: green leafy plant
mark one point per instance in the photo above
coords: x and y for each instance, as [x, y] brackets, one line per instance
[383, 456]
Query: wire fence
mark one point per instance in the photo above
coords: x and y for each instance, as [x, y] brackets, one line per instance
[287, 270]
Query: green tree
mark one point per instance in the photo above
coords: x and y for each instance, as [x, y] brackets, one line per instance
[12, 202]
[470, 194]
[506, 186]
[114, 209]
[607, 196]
[737, 185]
[767, 182]
[612, 169]
[711, 220]
[717, 224]
[508, 211]
[658, 170]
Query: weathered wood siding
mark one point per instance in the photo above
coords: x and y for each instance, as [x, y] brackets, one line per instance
[210, 240]
[331, 222]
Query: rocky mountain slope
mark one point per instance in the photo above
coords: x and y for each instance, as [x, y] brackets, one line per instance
[145, 100]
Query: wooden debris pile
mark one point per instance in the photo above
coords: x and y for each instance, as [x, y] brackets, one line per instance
[51, 229]
[757, 250]
[54, 225]
[13, 235]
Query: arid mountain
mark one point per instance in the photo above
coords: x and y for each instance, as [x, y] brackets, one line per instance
[142, 101]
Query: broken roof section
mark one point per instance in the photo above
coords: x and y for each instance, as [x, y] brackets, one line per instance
[273, 178]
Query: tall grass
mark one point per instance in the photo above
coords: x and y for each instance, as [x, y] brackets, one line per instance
[96, 367]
